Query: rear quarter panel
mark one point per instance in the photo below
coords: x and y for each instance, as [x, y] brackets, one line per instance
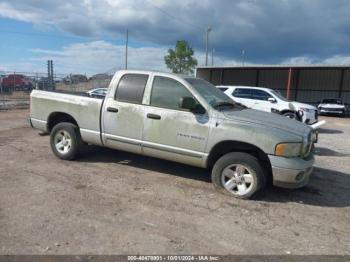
[85, 111]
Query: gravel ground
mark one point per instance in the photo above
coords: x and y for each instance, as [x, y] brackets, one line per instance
[111, 202]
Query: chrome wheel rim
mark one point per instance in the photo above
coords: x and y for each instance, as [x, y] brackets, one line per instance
[63, 142]
[237, 179]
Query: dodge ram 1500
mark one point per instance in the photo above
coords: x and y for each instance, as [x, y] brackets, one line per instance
[183, 119]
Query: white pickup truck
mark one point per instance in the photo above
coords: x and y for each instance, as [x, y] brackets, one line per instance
[182, 119]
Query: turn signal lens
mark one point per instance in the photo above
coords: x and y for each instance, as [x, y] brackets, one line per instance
[288, 149]
[279, 149]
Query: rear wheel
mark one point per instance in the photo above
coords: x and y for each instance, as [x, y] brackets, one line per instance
[65, 141]
[239, 175]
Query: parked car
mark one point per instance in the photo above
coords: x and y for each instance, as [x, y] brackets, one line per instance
[17, 82]
[269, 100]
[97, 92]
[182, 119]
[332, 106]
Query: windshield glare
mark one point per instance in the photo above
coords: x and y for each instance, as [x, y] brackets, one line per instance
[209, 92]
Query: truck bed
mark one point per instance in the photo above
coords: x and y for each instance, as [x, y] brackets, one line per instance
[83, 109]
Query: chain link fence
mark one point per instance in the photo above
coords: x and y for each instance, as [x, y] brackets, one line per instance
[15, 87]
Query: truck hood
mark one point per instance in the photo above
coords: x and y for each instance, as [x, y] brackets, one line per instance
[269, 119]
[331, 105]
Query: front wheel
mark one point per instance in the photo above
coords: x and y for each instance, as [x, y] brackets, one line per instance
[290, 115]
[65, 141]
[239, 175]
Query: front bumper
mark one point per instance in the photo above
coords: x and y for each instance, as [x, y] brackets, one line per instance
[310, 117]
[291, 172]
[329, 111]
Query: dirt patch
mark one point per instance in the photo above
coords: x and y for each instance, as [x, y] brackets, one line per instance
[111, 202]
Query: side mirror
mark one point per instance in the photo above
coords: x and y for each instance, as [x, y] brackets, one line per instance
[272, 100]
[187, 103]
[190, 104]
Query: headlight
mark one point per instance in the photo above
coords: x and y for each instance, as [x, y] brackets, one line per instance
[288, 149]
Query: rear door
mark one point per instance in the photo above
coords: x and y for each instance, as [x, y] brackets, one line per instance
[260, 100]
[243, 96]
[123, 115]
[171, 132]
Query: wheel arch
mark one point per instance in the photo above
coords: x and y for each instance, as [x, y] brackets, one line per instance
[59, 117]
[287, 111]
[228, 146]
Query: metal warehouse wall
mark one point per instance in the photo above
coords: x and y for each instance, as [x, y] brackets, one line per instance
[308, 84]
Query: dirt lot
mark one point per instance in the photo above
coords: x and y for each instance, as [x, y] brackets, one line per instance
[110, 202]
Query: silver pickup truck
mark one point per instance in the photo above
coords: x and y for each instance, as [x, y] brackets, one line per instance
[183, 119]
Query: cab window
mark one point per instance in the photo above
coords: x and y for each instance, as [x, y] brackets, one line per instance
[242, 93]
[167, 92]
[131, 88]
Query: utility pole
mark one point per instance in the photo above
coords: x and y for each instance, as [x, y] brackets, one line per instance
[212, 56]
[50, 79]
[48, 75]
[126, 48]
[206, 45]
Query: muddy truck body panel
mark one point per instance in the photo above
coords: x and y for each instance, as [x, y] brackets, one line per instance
[182, 119]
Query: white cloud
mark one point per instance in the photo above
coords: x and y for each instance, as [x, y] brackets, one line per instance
[338, 60]
[307, 60]
[270, 31]
[299, 60]
[101, 56]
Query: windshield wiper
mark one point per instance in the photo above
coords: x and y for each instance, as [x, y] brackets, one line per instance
[219, 104]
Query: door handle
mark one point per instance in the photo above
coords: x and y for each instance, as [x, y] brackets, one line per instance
[154, 116]
[112, 109]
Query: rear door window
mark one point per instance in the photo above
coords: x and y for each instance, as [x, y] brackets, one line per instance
[131, 88]
[242, 93]
[260, 95]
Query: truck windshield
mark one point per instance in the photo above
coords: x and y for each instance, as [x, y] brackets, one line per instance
[214, 96]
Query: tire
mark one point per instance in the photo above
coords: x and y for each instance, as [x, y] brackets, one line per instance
[67, 134]
[230, 165]
[291, 115]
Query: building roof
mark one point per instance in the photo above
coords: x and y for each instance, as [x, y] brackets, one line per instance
[275, 66]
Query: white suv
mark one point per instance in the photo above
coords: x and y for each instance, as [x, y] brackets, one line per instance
[269, 100]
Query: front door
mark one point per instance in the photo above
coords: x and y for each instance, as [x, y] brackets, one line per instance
[171, 132]
[123, 115]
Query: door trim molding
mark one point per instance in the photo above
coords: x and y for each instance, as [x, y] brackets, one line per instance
[147, 144]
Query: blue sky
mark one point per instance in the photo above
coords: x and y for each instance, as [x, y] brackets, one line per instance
[88, 36]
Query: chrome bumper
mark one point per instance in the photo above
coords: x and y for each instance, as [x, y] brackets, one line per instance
[325, 111]
[291, 172]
